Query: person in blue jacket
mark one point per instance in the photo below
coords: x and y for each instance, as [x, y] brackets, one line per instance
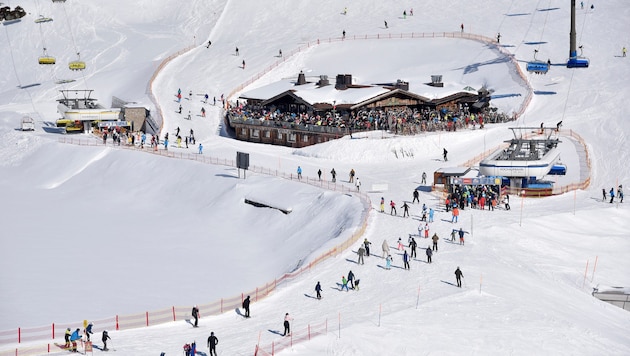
[299, 172]
[88, 331]
[612, 195]
[73, 338]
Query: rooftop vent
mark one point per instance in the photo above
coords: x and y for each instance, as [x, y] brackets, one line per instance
[301, 78]
[436, 81]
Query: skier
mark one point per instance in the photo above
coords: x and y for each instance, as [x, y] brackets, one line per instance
[462, 27]
[612, 195]
[400, 244]
[367, 244]
[287, 325]
[429, 253]
[280, 53]
[416, 196]
[453, 235]
[404, 14]
[385, 247]
[435, 239]
[461, 236]
[299, 172]
[246, 306]
[319, 174]
[66, 337]
[334, 175]
[209, 43]
[343, 34]
[620, 193]
[358, 184]
[388, 262]
[499, 37]
[200, 149]
[424, 178]
[603, 194]
[203, 112]
[344, 283]
[426, 230]
[195, 315]
[180, 109]
[406, 260]
[237, 51]
[623, 51]
[455, 214]
[431, 213]
[444, 154]
[318, 290]
[352, 173]
[458, 277]
[405, 209]
[189, 115]
[104, 339]
[351, 279]
[73, 338]
[212, 344]
[413, 244]
[392, 211]
[243, 64]
[386, 24]
[382, 205]
[361, 252]
[88, 331]
[190, 95]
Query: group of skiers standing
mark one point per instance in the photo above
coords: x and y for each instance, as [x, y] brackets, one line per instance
[611, 194]
[72, 337]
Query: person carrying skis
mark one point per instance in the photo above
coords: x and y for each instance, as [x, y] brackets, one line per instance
[287, 325]
[195, 315]
[246, 306]
[213, 341]
[458, 277]
[361, 252]
[104, 339]
[318, 290]
[429, 253]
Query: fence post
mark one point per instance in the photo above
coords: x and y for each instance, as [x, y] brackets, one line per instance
[147, 314]
[309, 331]
[174, 317]
[19, 336]
[221, 305]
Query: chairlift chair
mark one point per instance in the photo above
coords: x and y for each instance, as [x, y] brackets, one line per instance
[78, 64]
[537, 66]
[46, 59]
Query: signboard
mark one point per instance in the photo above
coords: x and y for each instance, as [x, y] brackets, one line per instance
[114, 124]
[476, 181]
[242, 160]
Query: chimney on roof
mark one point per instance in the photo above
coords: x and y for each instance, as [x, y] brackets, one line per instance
[436, 81]
[301, 79]
[402, 85]
[340, 82]
[323, 81]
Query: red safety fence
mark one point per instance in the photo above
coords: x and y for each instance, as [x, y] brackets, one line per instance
[306, 334]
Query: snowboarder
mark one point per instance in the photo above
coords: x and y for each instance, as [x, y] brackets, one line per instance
[88, 331]
[200, 149]
[246, 306]
[287, 325]
[416, 196]
[358, 184]
[458, 277]
[195, 315]
[351, 279]
[413, 244]
[424, 178]
[367, 244]
[388, 262]
[429, 253]
[318, 290]
[382, 205]
[319, 174]
[385, 247]
[406, 260]
[461, 236]
[213, 341]
[361, 252]
[352, 173]
[392, 211]
[435, 239]
[299, 172]
[444, 154]
[405, 209]
[104, 339]
[334, 175]
[344, 283]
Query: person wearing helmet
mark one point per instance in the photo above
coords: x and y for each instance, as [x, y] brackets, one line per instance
[104, 338]
[73, 338]
[67, 337]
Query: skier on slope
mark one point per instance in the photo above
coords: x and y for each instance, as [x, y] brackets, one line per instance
[351, 279]
[385, 247]
[213, 341]
[318, 290]
[367, 244]
[429, 253]
[458, 277]
[195, 315]
[246, 306]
